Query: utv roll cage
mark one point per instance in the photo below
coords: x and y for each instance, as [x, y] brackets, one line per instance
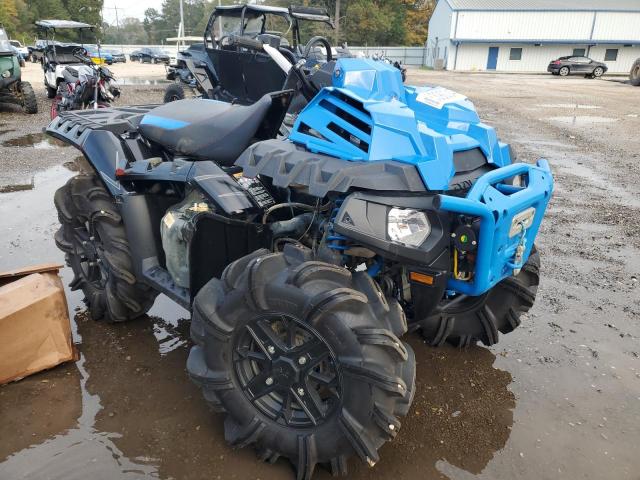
[60, 52]
[293, 15]
[242, 75]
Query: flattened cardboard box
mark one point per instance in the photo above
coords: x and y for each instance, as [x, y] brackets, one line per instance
[35, 333]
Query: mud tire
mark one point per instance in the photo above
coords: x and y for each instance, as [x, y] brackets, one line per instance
[29, 101]
[352, 317]
[174, 92]
[634, 74]
[483, 318]
[86, 211]
[51, 91]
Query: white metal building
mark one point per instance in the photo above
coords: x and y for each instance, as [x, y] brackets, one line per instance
[524, 35]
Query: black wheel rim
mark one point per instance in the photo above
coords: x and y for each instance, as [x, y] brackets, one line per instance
[89, 255]
[287, 370]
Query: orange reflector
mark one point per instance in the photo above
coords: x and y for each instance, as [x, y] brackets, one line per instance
[421, 278]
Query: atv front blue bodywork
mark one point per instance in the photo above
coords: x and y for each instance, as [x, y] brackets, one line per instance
[498, 205]
[369, 115]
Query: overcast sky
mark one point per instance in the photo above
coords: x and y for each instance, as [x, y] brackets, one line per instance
[128, 8]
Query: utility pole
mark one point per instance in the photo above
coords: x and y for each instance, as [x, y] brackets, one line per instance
[337, 17]
[181, 29]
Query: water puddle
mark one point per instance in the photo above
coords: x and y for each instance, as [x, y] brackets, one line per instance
[141, 81]
[581, 120]
[568, 105]
[39, 141]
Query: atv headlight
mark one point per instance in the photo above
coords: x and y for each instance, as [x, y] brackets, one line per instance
[6, 74]
[408, 226]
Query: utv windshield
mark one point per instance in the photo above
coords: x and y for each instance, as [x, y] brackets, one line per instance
[5, 46]
[251, 24]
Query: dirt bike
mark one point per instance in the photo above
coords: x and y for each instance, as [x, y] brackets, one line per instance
[84, 86]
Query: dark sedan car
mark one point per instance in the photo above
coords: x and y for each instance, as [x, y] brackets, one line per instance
[564, 66]
[117, 56]
[149, 55]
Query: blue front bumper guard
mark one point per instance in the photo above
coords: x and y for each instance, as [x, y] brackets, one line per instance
[499, 205]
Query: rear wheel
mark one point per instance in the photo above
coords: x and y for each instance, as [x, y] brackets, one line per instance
[93, 238]
[464, 320]
[29, 101]
[563, 72]
[305, 359]
[173, 92]
[634, 75]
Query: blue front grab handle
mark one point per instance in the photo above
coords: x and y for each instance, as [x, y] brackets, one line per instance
[496, 204]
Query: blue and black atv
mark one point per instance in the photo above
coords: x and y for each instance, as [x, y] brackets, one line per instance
[305, 260]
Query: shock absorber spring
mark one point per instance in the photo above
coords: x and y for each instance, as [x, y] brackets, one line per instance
[334, 240]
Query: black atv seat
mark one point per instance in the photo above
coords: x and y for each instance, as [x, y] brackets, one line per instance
[205, 129]
[70, 74]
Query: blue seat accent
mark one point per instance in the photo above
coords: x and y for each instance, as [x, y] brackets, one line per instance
[163, 122]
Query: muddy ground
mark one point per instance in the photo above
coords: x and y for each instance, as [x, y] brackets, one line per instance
[558, 398]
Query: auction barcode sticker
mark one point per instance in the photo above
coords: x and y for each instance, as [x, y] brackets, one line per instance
[438, 97]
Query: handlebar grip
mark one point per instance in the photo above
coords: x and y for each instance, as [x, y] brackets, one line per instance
[248, 43]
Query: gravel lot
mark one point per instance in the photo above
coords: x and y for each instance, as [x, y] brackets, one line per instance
[558, 398]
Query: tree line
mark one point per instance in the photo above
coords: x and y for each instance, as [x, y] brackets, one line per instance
[362, 22]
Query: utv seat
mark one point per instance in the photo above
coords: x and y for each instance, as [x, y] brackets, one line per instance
[205, 129]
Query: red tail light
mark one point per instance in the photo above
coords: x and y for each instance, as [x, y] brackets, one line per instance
[556, 62]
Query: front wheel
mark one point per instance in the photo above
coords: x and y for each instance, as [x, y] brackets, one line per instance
[304, 357]
[598, 72]
[463, 320]
[51, 91]
[173, 92]
[634, 75]
[29, 101]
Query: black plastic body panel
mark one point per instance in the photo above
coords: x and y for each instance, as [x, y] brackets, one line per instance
[367, 224]
[221, 240]
[288, 165]
[221, 188]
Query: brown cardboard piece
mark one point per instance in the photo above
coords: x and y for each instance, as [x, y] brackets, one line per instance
[35, 332]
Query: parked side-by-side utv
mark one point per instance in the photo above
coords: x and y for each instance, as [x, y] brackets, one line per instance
[12, 88]
[305, 260]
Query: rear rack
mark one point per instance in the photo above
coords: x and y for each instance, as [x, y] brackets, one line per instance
[73, 127]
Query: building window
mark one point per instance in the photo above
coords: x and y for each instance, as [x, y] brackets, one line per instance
[515, 54]
[611, 55]
[579, 52]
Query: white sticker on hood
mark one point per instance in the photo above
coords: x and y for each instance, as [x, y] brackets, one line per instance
[438, 97]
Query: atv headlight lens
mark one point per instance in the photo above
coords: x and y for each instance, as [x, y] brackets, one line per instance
[408, 226]
[6, 74]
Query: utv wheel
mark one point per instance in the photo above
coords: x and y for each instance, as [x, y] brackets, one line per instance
[93, 237]
[173, 92]
[51, 91]
[305, 359]
[564, 71]
[634, 75]
[29, 101]
[465, 320]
